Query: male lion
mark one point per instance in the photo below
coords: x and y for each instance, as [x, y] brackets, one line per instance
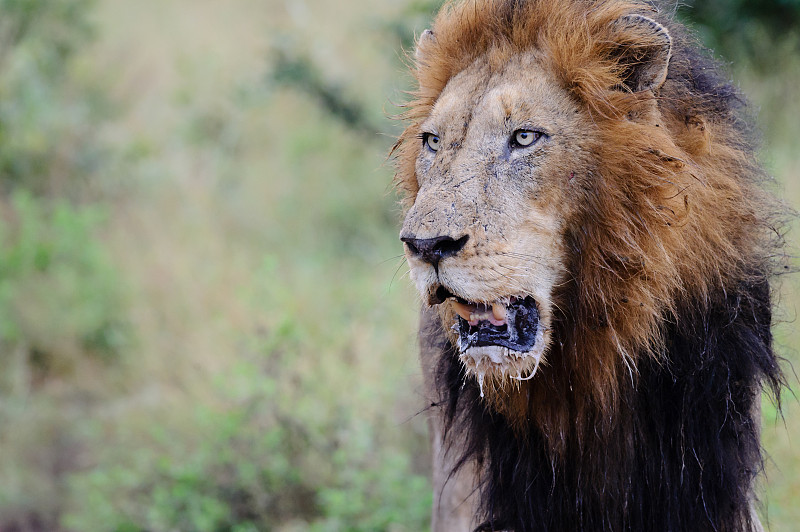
[585, 223]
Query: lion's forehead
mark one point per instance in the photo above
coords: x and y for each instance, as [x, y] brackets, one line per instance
[477, 101]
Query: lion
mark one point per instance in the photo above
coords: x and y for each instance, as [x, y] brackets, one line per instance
[593, 240]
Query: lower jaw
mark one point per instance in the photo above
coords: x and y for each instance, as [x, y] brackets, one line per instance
[497, 366]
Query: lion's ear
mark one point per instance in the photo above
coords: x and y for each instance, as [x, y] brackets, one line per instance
[425, 40]
[644, 48]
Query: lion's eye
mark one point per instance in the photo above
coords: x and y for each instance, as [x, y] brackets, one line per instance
[431, 141]
[524, 137]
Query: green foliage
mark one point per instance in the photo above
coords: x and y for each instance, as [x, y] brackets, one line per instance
[59, 292]
[300, 72]
[360, 501]
[261, 462]
[746, 29]
[63, 308]
[63, 315]
[416, 16]
[300, 430]
[47, 115]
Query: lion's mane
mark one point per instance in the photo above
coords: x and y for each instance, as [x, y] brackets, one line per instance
[644, 417]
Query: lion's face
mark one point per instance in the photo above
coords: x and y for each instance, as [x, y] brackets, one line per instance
[484, 237]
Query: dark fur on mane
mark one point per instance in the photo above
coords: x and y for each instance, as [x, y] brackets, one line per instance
[684, 455]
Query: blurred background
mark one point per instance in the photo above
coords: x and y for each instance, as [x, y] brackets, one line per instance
[205, 319]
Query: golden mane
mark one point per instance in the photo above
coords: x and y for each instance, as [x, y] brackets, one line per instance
[674, 213]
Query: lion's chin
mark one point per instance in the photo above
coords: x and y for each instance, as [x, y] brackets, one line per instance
[498, 366]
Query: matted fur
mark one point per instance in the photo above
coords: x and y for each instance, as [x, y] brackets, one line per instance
[643, 416]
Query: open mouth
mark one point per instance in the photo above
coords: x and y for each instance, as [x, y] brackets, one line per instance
[513, 324]
[501, 340]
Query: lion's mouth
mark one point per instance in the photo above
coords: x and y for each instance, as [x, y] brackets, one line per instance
[504, 339]
[512, 324]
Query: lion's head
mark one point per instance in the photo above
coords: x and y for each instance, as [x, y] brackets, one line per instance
[500, 151]
[566, 183]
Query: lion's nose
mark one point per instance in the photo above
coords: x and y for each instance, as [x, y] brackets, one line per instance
[432, 250]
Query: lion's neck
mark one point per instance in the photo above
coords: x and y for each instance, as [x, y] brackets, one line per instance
[683, 433]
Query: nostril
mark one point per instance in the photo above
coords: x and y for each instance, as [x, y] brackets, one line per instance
[433, 250]
[411, 244]
[448, 246]
[412, 248]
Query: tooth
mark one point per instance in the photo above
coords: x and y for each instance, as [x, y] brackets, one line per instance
[465, 311]
[499, 312]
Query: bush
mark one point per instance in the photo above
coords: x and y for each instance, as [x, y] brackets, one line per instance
[60, 296]
[258, 465]
[746, 30]
[47, 115]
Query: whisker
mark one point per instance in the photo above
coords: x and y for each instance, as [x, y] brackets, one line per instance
[397, 270]
[536, 259]
[401, 256]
